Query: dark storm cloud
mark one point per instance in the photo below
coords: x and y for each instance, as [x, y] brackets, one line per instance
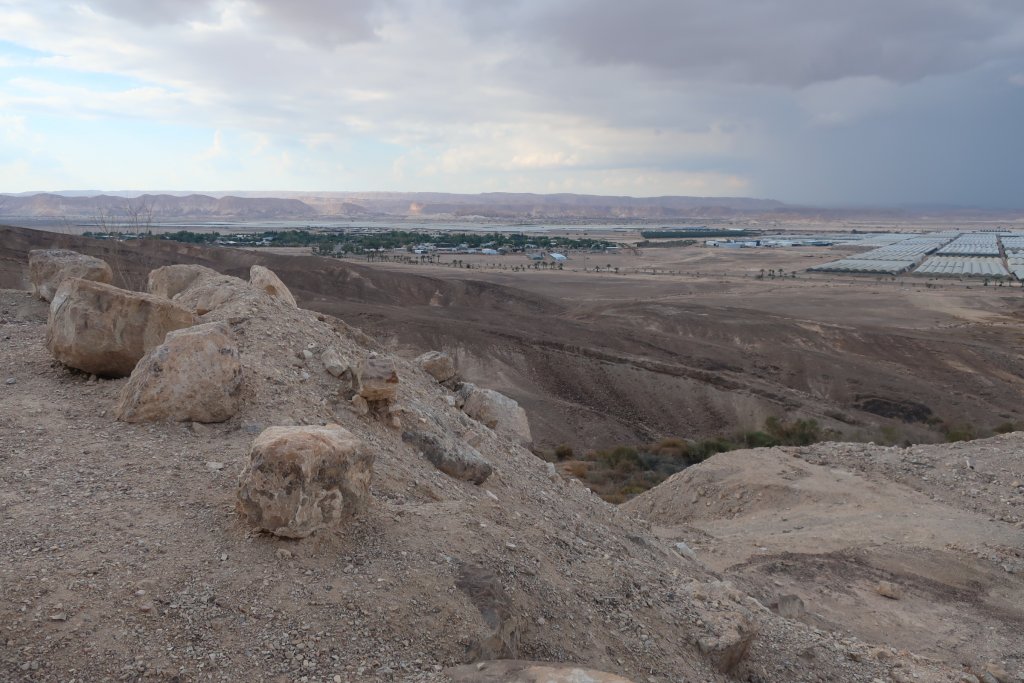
[781, 42]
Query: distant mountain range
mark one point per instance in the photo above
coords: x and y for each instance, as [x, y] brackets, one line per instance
[298, 206]
[151, 207]
[171, 206]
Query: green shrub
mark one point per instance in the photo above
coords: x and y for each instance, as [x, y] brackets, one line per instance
[759, 439]
[563, 452]
[1005, 428]
[702, 450]
[796, 433]
[623, 459]
[961, 432]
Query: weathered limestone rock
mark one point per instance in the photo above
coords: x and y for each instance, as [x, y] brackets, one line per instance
[888, 589]
[169, 281]
[333, 362]
[454, 458]
[500, 639]
[269, 282]
[438, 365]
[359, 405]
[729, 626]
[104, 330]
[791, 606]
[302, 479]
[206, 294]
[377, 379]
[500, 413]
[195, 376]
[516, 671]
[686, 551]
[463, 393]
[48, 268]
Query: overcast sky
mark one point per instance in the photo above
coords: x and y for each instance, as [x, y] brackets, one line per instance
[827, 102]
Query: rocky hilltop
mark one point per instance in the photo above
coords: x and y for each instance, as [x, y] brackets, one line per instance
[137, 212]
[498, 205]
[412, 541]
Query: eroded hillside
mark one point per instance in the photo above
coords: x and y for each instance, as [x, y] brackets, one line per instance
[922, 547]
[124, 557]
[600, 361]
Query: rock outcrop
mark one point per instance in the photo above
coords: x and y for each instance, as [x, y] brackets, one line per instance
[194, 375]
[169, 281]
[266, 280]
[438, 365]
[454, 458]
[48, 268]
[729, 622]
[499, 412]
[302, 479]
[377, 379]
[104, 330]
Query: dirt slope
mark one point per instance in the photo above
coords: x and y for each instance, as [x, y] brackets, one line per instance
[122, 557]
[945, 524]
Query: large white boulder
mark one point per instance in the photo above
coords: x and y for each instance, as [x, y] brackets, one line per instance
[499, 412]
[195, 375]
[266, 280]
[48, 268]
[168, 281]
[302, 479]
[104, 330]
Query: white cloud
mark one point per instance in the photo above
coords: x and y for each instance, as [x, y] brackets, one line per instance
[216, 149]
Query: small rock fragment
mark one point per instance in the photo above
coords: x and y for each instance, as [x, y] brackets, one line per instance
[686, 551]
[888, 589]
[333, 362]
[791, 606]
[359, 405]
